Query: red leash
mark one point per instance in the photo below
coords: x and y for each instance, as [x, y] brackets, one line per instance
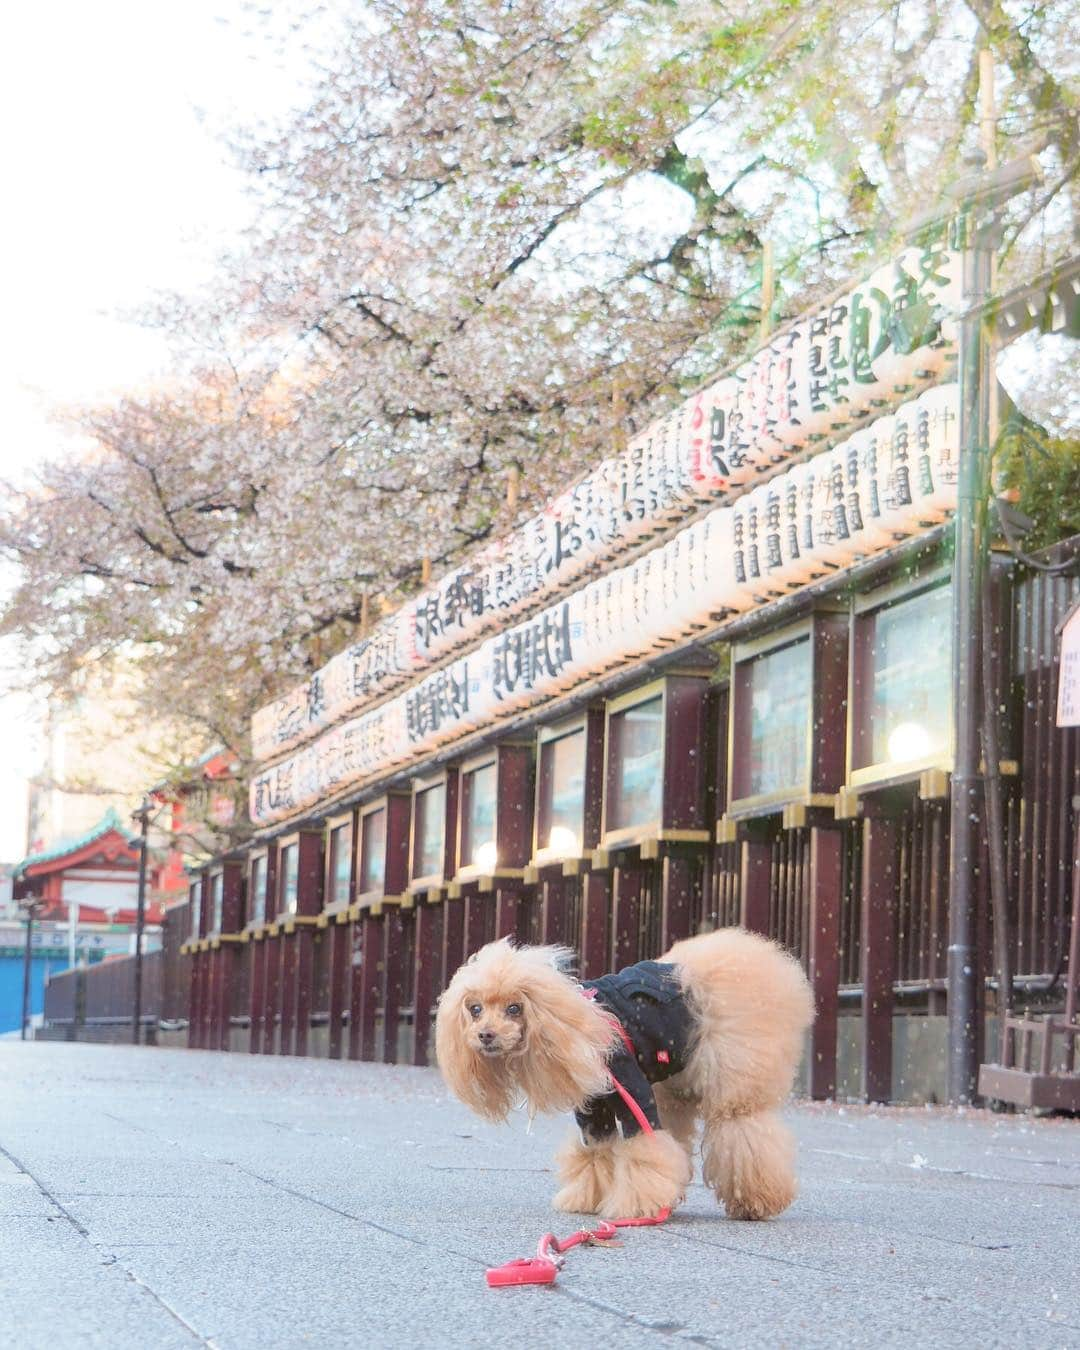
[545, 1265]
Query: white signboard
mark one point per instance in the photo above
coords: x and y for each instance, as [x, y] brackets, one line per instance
[891, 480]
[814, 383]
[1068, 705]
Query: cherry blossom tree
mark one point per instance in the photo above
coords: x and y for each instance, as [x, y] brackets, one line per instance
[499, 238]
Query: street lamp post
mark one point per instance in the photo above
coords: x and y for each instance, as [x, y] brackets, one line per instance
[30, 908]
[142, 815]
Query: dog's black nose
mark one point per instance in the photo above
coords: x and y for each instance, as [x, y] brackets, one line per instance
[486, 1037]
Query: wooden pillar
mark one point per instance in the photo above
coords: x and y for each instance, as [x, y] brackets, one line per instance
[210, 1003]
[339, 935]
[453, 939]
[366, 988]
[625, 908]
[595, 908]
[393, 981]
[879, 883]
[287, 1000]
[193, 1002]
[204, 989]
[553, 916]
[677, 897]
[755, 883]
[509, 905]
[223, 981]
[272, 1007]
[426, 984]
[823, 957]
[257, 996]
[304, 942]
[476, 906]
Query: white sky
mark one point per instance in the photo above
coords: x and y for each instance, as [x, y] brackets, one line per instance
[117, 185]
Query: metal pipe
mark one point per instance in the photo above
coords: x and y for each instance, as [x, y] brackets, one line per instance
[142, 815]
[969, 568]
[995, 817]
[26, 973]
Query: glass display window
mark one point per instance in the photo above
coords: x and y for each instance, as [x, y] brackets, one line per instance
[195, 908]
[429, 831]
[478, 848]
[773, 723]
[560, 793]
[289, 878]
[901, 697]
[634, 781]
[372, 869]
[339, 863]
[787, 720]
[217, 897]
[257, 878]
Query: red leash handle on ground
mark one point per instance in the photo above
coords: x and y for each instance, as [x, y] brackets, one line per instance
[544, 1266]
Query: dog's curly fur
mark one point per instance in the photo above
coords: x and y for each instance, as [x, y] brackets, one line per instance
[513, 1025]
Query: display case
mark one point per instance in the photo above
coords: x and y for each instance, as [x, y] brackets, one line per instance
[260, 883]
[382, 863]
[654, 764]
[901, 723]
[569, 789]
[340, 862]
[433, 837]
[224, 898]
[299, 879]
[787, 725]
[495, 803]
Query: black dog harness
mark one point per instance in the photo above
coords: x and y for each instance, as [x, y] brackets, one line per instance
[648, 1003]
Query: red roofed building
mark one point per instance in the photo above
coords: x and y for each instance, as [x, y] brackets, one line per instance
[95, 874]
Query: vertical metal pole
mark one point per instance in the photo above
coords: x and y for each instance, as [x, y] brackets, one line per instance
[143, 816]
[26, 973]
[969, 573]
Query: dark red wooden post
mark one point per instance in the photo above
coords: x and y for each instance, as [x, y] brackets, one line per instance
[823, 958]
[287, 987]
[366, 988]
[879, 885]
[686, 742]
[339, 935]
[272, 964]
[303, 941]
[476, 912]
[755, 881]
[677, 894]
[426, 986]
[193, 1003]
[595, 910]
[509, 908]
[453, 939]
[553, 916]
[217, 1018]
[625, 908]
[393, 981]
[257, 1006]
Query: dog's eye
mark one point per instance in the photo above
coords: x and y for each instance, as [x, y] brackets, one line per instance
[513, 1010]
[475, 1009]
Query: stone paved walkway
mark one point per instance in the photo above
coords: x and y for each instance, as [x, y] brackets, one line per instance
[171, 1198]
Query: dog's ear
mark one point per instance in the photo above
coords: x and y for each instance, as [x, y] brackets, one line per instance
[568, 1038]
[485, 1085]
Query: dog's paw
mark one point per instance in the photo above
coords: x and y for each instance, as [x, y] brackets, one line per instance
[652, 1172]
[586, 1171]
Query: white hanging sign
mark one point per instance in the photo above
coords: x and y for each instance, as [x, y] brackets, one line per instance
[814, 381]
[886, 482]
